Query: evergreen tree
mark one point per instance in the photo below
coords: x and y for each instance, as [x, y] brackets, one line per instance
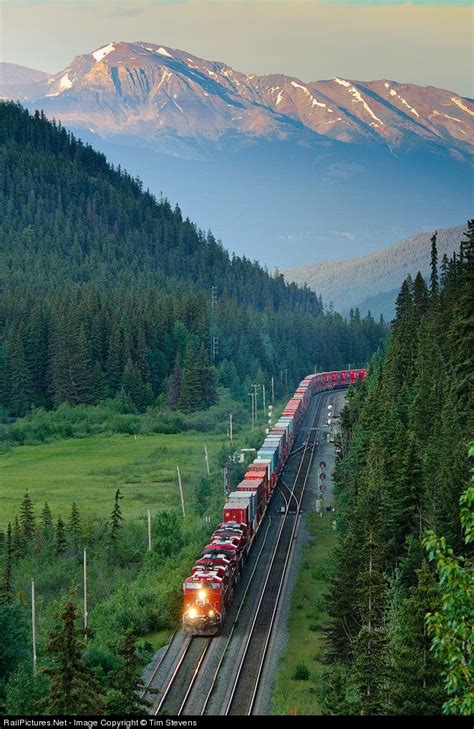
[17, 539]
[124, 698]
[6, 592]
[115, 521]
[60, 541]
[73, 688]
[415, 685]
[75, 527]
[434, 289]
[174, 387]
[27, 520]
[47, 523]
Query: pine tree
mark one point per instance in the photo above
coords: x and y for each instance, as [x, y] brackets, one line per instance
[191, 395]
[115, 521]
[60, 541]
[18, 382]
[415, 684]
[124, 698]
[17, 539]
[47, 523]
[74, 688]
[27, 520]
[174, 387]
[6, 591]
[434, 288]
[75, 527]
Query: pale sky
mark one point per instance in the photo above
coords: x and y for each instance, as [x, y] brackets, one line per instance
[429, 43]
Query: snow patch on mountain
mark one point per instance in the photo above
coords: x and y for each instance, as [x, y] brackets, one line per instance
[101, 53]
[164, 52]
[358, 98]
[462, 106]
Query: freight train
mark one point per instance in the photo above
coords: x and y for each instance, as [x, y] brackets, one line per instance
[209, 589]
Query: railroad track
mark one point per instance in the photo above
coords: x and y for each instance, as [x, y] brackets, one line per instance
[249, 672]
[178, 691]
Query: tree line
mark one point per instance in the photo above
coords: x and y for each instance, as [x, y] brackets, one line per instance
[401, 597]
[106, 291]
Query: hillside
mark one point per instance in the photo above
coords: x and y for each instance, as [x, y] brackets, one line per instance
[372, 282]
[106, 291]
[316, 151]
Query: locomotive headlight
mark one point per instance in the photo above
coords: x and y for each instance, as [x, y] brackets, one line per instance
[192, 612]
[202, 594]
[211, 613]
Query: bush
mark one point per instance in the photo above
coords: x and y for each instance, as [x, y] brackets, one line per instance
[301, 673]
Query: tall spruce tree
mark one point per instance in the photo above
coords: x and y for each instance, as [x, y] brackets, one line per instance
[73, 688]
[127, 687]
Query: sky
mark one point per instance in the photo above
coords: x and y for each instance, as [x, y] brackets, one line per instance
[424, 42]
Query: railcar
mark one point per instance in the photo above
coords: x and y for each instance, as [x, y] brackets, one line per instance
[209, 589]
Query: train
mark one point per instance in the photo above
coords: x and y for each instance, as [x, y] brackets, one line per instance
[209, 589]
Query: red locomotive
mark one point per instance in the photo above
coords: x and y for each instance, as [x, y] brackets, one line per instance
[208, 591]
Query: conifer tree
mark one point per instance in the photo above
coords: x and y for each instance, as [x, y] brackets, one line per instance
[75, 527]
[127, 686]
[47, 523]
[60, 541]
[415, 684]
[174, 387]
[74, 688]
[434, 288]
[27, 520]
[17, 539]
[6, 592]
[115, 520]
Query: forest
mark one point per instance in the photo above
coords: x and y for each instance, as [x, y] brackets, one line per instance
[106, 292]
[401, 599]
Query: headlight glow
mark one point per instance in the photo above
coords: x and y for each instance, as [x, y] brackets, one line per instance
[202, 594]
[192, 612]
[211, 613]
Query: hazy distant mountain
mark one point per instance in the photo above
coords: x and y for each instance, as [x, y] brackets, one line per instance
[14, 78]
[373, 281]
[280, 169]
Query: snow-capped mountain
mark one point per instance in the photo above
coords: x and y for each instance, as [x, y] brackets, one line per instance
[281, 169]
[154, 91]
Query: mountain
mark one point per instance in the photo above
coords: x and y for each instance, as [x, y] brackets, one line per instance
[296, 156]
[16, 80]
[372, 282]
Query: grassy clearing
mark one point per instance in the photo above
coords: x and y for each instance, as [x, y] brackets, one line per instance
[89, 470]
[298, 683]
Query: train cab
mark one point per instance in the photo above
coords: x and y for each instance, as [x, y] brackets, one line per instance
[206, 596]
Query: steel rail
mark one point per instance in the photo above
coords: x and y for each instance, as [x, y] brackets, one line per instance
[309, 445]
[159, 663]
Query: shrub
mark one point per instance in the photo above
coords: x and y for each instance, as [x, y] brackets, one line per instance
[301, 673]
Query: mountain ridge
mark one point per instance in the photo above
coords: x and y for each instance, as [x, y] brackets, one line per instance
[373, 281]
[150, 89]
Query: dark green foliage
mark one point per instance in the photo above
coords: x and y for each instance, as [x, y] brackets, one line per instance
[75, 528]
[116, 519]
[60, 541]
[24, 691]
[104, 288]
[47, 527]
[125, 682]
[27, 520]
[14, 643]
[301, 673]
[402, 469]
[6, 586]
[73, 686]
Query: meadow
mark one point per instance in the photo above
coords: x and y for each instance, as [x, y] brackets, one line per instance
[299, 682]
[89, 471]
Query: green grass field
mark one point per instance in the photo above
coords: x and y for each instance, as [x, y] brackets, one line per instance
[306, 637]
[89, 470]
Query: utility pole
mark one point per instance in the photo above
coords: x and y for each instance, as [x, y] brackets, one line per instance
[181, 491]
[206, 457]
[255, 405]
[85, 591]
[33, 623]
[230, 429]
[263, 396]
[149, 529]
[273, 390]
[251, 394]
